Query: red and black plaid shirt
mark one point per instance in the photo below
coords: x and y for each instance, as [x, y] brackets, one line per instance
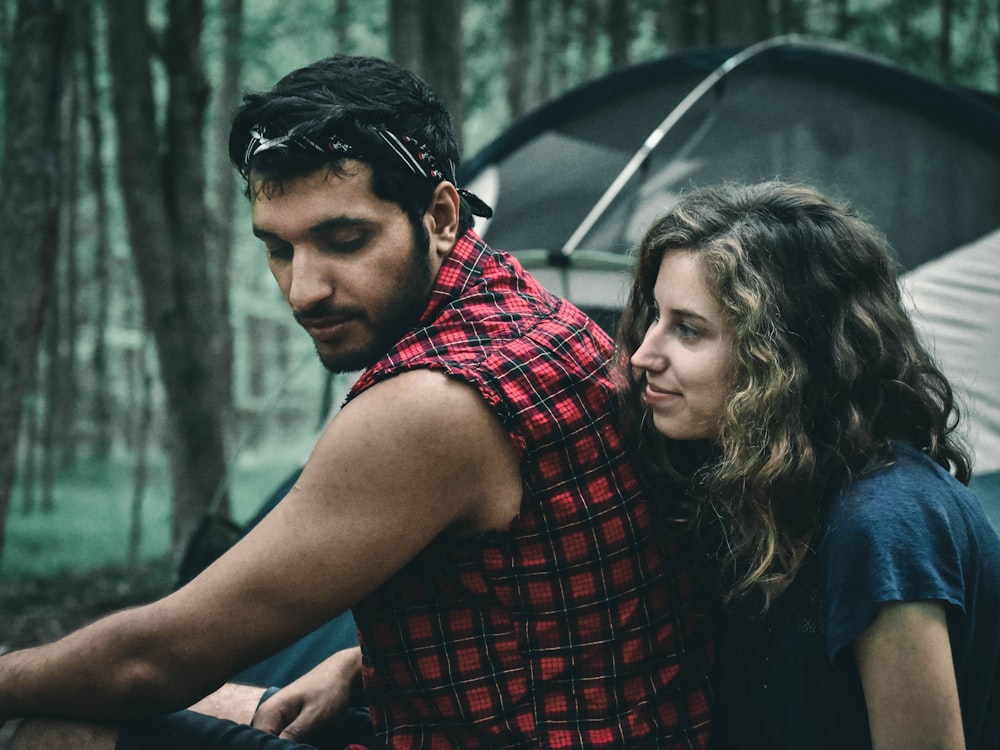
[575, 628]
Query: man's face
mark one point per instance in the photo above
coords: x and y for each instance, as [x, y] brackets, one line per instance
[347, 261]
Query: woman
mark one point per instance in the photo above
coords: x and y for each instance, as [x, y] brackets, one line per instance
[777, 380]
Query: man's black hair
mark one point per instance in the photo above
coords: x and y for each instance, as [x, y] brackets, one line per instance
[352, 99]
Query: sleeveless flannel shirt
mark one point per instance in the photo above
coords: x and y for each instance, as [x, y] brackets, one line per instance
[577, 627]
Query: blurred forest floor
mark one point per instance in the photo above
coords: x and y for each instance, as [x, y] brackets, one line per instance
[40, 609]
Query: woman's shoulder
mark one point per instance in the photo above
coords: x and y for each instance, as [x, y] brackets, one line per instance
[909, 487]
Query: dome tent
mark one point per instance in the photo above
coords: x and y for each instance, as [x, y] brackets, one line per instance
[576, 182]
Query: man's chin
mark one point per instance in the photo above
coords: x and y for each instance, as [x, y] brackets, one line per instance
[341, 362]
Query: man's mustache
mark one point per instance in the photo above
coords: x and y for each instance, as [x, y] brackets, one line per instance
[324, 312]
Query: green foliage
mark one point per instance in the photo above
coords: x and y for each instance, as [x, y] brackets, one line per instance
[89, 526]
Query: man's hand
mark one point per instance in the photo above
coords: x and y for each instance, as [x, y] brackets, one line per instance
[312, 701]
[232, 701]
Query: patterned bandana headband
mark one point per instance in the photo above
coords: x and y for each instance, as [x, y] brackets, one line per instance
[396, 151]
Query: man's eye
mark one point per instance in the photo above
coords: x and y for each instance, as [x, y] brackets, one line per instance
[278, 251]
[345, 245]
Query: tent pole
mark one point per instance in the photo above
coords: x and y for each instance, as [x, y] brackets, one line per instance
[654, 138]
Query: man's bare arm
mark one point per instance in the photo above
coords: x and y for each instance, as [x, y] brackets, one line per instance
[412, 457]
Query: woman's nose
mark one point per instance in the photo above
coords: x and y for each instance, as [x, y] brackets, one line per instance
[649, 356]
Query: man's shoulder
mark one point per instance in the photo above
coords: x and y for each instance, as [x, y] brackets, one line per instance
[504, 291]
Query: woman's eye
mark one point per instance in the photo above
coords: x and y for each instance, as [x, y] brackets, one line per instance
[687, 331]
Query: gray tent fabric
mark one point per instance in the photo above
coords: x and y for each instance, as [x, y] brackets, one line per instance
[920, 159]
[575, 183]
[955, 303]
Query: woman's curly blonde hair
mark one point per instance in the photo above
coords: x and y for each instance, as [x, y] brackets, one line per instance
[828, 373]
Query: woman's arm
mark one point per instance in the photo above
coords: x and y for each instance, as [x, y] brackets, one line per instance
[904, 658]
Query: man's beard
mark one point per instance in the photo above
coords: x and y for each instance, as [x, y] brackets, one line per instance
[398, 315]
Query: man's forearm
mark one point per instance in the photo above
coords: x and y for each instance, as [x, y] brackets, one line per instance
[108, 670]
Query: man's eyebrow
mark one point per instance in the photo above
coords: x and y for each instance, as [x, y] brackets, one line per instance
[338, 222]
[263, 234]
[328, 225]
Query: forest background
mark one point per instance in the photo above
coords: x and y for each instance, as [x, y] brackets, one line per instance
[149, 369]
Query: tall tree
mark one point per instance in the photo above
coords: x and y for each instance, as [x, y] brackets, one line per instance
[341, 25]
[620, 30]
[842, 19]
[101, 412]
[28, 212]
[791, 17]
[558, 25]
[223, 215]
[678, 24]
[996, 46]
[947, 15]
[161, 169]
[442, 59]
[591, 20]
[64, 390]
[405, 41]
[427, 39]
[519, 30]
[737, 22]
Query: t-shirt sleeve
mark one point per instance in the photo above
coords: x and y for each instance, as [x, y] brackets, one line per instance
[895, 535]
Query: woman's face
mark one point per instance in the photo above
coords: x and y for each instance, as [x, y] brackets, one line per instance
[686, 355]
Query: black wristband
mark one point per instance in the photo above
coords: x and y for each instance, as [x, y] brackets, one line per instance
[267, 694]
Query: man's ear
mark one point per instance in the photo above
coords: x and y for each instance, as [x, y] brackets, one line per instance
[441, 219]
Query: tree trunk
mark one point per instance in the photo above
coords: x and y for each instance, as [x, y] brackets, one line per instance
[49, 392]
[558, 39]
[442, 62]
[590, 23]
[904, 27]
[679, 25]
[100, 414]
[341, 25]
[996, 46]
[226, 182]
[544, 50]
[404, 37]
[29, 452]
[842, 14]
[28, 213]
[621, 32]
[4, 33]
[944, 47]
[791, 17]
[518, 52]
[739, 22]
[66, 390]
[426, 38]
[162, 174]
[140, 474]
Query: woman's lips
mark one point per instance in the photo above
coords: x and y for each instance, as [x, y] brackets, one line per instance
[656, 395]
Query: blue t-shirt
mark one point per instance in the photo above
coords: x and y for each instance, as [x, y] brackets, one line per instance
[912, 532]
[907, 532]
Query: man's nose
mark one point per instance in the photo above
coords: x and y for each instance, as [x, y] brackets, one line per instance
[310, 281]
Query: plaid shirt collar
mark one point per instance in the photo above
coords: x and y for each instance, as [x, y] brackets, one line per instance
[460, 270]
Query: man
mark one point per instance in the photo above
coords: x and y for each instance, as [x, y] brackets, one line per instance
[472, 502]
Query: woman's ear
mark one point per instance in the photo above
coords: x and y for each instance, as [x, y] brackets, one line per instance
[441, 219]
